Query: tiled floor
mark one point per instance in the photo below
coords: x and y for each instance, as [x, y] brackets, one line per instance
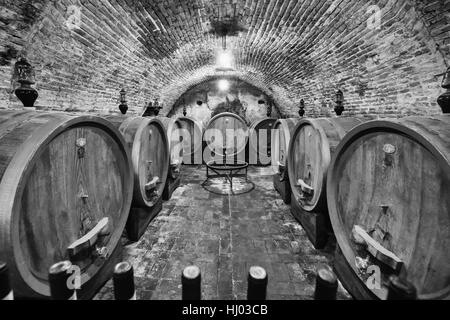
[224, 236]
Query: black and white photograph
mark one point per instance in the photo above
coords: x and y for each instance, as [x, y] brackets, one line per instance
[232, 157]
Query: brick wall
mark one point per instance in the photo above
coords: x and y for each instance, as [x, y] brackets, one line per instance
[289, 49]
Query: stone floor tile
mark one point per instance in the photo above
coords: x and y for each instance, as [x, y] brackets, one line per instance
[224, 236]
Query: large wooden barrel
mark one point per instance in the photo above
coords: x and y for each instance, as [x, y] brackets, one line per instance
[312, 144]
[281, 137]
[226, 135]
[66, 190]
[192, 133]
[173, 131]
[147, 141]
[260, 145]
[388, 192]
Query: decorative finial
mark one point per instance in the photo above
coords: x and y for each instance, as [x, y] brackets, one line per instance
[123, 102]
[184, 108]
[444, 99]
[153, 109]
[339, 109]
[269, 108]
[25, 75]
[301, 110]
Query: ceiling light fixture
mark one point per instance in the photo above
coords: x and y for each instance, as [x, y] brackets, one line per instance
[224, 59]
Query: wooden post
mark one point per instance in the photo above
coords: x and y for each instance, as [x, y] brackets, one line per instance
[326, 284]
[58, 277]
[123, 279]
[191, 283]
[257, 284]
[399, 289]
[6, 292]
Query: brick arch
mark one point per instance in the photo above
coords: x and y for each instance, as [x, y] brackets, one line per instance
[171, 94]
[300, 49]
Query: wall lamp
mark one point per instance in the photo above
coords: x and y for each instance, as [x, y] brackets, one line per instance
[339, 108]
[444, 99]
[123, 101]
[301, 111]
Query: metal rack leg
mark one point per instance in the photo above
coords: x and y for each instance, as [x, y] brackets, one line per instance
[232, 190]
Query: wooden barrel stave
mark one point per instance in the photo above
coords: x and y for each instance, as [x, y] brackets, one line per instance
[38, 157]
[280, 140]
[254, 142]
[399, 195]
[223, 123]
[173, 131]
[192, 148]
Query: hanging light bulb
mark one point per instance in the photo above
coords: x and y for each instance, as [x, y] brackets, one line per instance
[225, 59]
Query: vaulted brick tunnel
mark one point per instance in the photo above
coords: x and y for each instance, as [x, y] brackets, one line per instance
[84, 52]
[217, 66]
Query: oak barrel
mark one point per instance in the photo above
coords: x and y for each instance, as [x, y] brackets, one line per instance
[66, 190]
[192, 133]
[173, 128]
[226, 135]
[147, 141]
[388, 197]
[312, 144]
[281, 137]
[259, 145]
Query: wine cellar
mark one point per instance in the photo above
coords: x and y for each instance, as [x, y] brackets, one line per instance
[224, 150]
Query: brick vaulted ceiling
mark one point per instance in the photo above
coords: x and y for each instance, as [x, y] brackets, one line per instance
[85, 51]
